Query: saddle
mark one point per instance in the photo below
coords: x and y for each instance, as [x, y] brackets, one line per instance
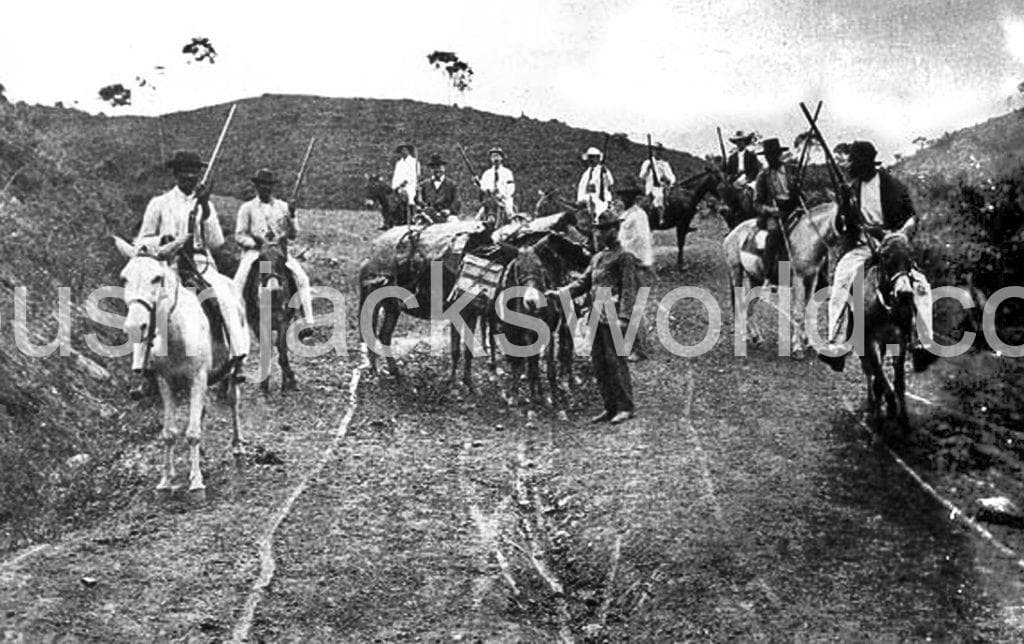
[191, 277]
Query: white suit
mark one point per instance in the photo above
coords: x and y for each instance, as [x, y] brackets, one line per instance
[665, 179]
[501, 182]
[258, 219]
[168, 214]
[595, 191]
[406, 177]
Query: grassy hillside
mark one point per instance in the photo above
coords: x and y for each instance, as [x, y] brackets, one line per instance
[355, 137]
[989, 149]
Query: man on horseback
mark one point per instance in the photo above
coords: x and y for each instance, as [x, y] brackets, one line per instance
[658, 178]
[266, 219]
[742, 166]
[612, 273]
[595, 186]
[874, 204]
[170, 216]
[775, 198]
[439, 194]
[497, 183]
[406, 177]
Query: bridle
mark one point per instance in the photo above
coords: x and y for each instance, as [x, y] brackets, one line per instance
[150, 308]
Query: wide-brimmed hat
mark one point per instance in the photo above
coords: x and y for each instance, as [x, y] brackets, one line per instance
[608, 219]
[496, 150]
[405, 146]
[435, 161]
[771, 147]
[265, 176]
[862, 152]
[659, 146]
[629, 185]
[741, 137]
[593, 152]
[186, 160]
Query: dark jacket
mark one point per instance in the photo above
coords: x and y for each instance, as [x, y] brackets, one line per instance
[766, 196]
[897, 207]
[444, 197]
[751, 165]
[615, 269]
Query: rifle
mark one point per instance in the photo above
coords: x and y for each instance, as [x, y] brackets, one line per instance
[469, 166]
[604, 160]
[835, 176]
[294, 196]
[192, 223]
[802, 165]
[721, 146]
[650, 158]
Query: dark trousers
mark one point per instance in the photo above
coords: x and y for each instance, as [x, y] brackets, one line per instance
[612, 372]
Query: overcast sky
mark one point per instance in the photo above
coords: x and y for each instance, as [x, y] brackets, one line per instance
[887, 70]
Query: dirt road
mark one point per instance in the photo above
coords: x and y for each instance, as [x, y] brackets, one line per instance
[744, 502]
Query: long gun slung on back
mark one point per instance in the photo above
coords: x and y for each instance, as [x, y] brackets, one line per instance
[721, 146]
[653, 167]
[604, 167]
[469, 164]
[804, 156]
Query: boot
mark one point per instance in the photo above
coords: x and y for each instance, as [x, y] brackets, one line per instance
[921, 357]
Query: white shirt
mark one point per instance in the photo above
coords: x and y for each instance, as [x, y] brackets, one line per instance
[168, 214]
[591, 186]
[635, 235]
[256, 217]
[407, 172]
[665, 175]
[499, 180]
[871, 201]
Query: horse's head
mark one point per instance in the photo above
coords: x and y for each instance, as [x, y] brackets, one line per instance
[895, 263]
[145, 280]
[272, 265]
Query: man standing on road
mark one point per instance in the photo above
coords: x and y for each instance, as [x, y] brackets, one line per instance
[635, 238]
[595, 186]
[497, 183]
[612, 272]
[167, 217]
[875, 204]
[406, 177]
[266, 219]
[663, 171]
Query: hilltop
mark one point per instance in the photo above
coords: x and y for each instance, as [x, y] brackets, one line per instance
[356, 136]
[986, 150]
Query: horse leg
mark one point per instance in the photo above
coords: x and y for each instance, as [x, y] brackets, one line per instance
[900, 386]
[682, 229]
[287, 375]
[194, 435]
[375, 324]
[549, 364]
[265, 381]
[867, 365]
[169, 434]
[467, 356]
[456, 348]
[387, 330]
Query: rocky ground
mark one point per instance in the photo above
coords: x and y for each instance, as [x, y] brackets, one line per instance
[744, 502]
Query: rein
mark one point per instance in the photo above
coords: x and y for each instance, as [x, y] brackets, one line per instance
[151, 309]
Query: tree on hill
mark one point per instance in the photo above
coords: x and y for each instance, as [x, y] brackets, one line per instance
[201, 49]
[458, 72]
[3, 98]
[116, 94]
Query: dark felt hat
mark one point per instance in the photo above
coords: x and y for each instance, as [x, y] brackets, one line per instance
[186, 160]
[405, 146]
[771, 147]
[435, 161]
[863, 152]
[265, 176]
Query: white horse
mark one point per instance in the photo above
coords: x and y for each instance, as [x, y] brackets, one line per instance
[170, 320]
[809, 241]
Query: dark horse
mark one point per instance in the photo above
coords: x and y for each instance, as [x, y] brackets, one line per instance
[542, 265]
[681, 205]
[392, 205]
[271, 291]
[402, 257]
[888, 321]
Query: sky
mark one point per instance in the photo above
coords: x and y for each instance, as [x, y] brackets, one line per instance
[887, 70]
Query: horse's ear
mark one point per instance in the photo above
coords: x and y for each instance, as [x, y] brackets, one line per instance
[170, 249]
[123, 247]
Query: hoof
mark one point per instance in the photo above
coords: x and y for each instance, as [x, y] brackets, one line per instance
[799, 354]
[164, 493]
[197, 495]
[289, 385]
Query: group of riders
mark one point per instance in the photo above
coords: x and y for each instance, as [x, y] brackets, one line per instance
[873, 204]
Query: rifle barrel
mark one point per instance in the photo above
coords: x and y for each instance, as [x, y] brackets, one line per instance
[302, 171]
[220, 142]
[721, 146]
